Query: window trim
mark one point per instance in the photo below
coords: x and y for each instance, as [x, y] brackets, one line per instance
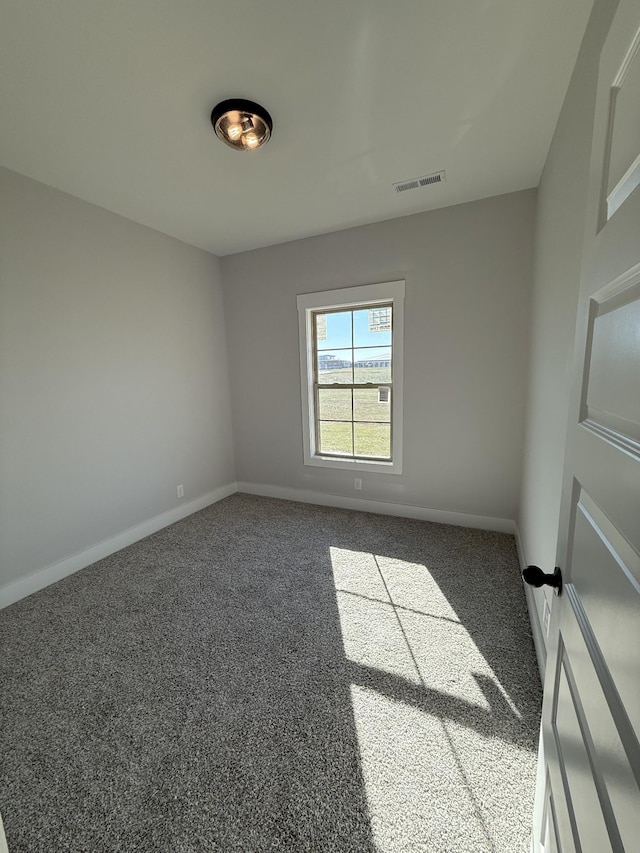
[368, 295]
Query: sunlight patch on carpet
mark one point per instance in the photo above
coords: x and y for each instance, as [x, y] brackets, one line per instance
[434, 724]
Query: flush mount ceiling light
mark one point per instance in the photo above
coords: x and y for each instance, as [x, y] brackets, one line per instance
[241, 124]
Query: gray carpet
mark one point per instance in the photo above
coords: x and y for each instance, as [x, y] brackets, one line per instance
[267, 675]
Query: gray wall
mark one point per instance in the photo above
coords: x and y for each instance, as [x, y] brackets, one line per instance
[562, 197]
[468, 275]
[113, 375]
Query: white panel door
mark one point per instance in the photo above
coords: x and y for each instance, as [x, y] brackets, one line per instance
[591, 709]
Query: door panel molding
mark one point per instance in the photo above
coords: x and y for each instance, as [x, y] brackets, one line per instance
[590, 752]
[559, 766]
[613, 198]
[613, 699]
[612, 317]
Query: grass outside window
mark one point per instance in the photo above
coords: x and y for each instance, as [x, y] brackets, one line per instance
[353, 421]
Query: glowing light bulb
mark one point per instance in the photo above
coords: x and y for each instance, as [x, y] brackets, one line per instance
[241, 124]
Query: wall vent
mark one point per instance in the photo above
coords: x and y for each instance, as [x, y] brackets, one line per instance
[416, 183]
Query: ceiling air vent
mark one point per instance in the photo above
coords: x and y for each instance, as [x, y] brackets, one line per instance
[416, 183]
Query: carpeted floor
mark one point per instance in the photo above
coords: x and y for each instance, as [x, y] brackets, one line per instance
[267, 675]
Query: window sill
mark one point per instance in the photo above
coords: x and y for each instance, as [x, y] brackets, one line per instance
[354, 465]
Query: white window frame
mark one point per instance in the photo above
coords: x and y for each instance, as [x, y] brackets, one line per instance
[347, 298]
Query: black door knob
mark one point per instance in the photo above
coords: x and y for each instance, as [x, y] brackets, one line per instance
[534, 576]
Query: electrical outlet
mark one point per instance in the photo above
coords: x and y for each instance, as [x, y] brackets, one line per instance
[546, 617]
[180, 490]
[357, 484]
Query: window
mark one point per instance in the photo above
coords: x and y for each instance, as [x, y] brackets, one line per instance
[351, 368]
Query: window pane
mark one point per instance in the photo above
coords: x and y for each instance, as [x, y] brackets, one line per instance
[334, 404]
[336, 438]
[372, 364]
[372, 440]
[372, 404]
[335, 367]
[372, 327]
[333, 330]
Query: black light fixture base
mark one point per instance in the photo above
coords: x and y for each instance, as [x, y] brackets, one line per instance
[242, 105]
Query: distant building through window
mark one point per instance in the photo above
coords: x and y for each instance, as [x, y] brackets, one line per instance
[380, 319]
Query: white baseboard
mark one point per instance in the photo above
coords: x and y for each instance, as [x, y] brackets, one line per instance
[35, 581]
[422, 513]
[534, 617]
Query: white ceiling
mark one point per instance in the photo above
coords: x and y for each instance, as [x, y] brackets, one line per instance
[109, 100]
